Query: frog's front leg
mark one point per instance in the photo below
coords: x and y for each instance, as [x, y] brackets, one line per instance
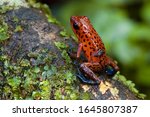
[80, 47]
[88, 70]
[111, 67]
[112, 63]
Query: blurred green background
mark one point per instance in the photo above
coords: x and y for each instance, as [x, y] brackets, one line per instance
[124, 26]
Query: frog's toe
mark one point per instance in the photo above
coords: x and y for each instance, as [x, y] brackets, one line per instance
[84, 80]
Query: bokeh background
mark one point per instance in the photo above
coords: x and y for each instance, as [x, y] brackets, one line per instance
[124, 26]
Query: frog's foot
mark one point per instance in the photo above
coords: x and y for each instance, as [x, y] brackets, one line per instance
[110, 71]
[89, 68]
[112, 66]
[85, 80]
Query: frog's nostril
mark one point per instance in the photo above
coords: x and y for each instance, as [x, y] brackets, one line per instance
[72, 18]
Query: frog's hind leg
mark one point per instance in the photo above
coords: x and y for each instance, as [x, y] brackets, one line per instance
[85, 80]
[87, 69]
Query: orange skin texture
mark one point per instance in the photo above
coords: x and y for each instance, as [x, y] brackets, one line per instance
[92, 46]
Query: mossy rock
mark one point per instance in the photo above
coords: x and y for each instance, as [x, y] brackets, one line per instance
[34, 63]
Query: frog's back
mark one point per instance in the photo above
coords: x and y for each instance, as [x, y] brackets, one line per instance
[87, 35]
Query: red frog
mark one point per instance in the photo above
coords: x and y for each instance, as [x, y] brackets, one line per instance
[94, 50]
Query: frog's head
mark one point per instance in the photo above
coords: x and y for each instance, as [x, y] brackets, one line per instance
[80, 25]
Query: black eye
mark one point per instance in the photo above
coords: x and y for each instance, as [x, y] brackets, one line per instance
[75, 26]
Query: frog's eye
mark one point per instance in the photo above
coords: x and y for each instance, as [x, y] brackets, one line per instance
[75, 26]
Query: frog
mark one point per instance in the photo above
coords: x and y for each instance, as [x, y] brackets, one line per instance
[91, 44]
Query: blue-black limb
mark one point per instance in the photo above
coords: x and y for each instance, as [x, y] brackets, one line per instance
[85, 80]
[110, 71]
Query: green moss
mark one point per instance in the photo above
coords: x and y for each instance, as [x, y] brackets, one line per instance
[45, 8]
[66, 93]
[15, 19]
[62, 47]
[62, 83]
[52, 19]
[5, 8]
[14, 82]
[129, 84]
[18, 29]
[7, 92]
[66, 56]
[33, 54]
[4, 34]
[45, 88]
[85, 96]
[43, 92]
[36, 95]
[37, 80]
[64, 33]
[69, 77]
[24, 63]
